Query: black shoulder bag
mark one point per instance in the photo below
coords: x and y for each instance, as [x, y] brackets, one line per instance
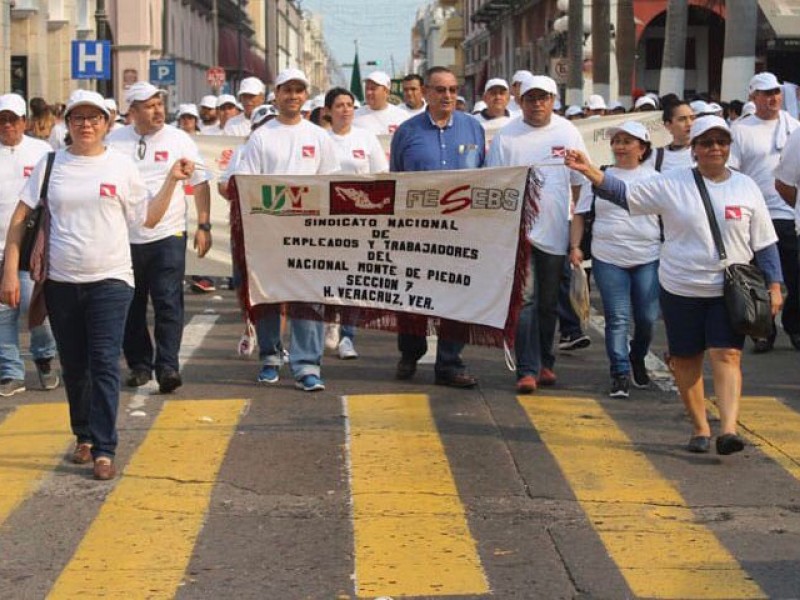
[34, 221]
[745, 290]
[588, 225]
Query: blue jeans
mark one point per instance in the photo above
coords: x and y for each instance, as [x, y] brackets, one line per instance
[43, 346]
[305, 349]
[627, 293]
[348, 331]
[536, 327]
[88, 321]
[158, 270]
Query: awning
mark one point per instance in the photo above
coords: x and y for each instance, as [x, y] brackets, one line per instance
[252, 63]
[783, 17]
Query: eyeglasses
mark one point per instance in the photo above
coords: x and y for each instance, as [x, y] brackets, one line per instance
[141, 148]
[9, 119]
[708, 143]
[534, 98]
[440, 89]
[81, 119]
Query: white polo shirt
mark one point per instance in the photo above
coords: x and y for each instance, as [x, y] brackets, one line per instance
[380, 122]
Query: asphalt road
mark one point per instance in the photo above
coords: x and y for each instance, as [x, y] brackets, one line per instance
[379, 488]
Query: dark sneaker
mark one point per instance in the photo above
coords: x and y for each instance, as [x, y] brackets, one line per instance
[47, 378]
[268, 374]
[699, 444]
[762, 345]
[619, 387]
[576, 341]
[169, 381]
[9, 387]
[137, 378]
[639, 371]
[795, 339]
[405, 369]
[729, 443]
[310, 383]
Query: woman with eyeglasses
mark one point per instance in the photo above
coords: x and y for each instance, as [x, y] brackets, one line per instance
[691, 273]
[94, 193]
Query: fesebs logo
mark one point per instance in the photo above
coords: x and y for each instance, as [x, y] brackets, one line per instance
[161, 156]
[26, 171]
[558, 152]
[308, 151]
[359, 154]
[362, 197]
[733, 213]
[108, 190]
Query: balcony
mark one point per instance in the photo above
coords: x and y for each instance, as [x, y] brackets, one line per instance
[452, 32]
[491, 9]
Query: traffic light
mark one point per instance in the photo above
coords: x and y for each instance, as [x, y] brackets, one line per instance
[374, 63]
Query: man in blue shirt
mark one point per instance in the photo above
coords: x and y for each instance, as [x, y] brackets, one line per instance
[439, 139]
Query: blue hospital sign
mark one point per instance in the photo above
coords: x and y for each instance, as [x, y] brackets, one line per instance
[91, 59]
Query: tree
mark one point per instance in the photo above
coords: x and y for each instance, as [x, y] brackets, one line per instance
[626, 50]
[673, 65]
[738, 66]
[601, 48]
[575, 53]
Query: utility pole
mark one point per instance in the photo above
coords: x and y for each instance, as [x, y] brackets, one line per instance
[101, 20]
[241, 43]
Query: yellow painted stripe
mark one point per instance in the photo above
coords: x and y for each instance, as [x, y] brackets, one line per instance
[140, 542]
[32, 443]
[641, 518]
[410, 528]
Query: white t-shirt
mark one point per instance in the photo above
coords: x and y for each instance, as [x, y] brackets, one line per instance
[380, 122]
[301, 149]
[493, 124]
[94, 201]
[233, 163]
[690, 265]
[57, 134]
[519, 144]
[162, 149]
[756, 151]
[673, 159]
[214, 129]
[413, 112]
[238, 125]
[788, 171]
[16, 166]
[359, 152]
[618, 237]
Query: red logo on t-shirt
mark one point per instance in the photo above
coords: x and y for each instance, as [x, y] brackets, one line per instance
[733, 213]
[558, 152]
[162, 156]
[108, 190]
[308, 151]
[359, 154]
[26, 171]
[392, 128]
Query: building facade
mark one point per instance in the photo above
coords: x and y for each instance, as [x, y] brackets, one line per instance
[427, 49]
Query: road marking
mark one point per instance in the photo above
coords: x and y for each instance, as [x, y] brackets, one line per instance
[410, 529]
[32, 443]
[142, 539]
[641, 518]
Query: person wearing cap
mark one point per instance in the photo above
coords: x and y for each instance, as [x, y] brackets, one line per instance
[574, 112]
[758, 141]
[440, 139]
[540, 139]
[58, 133]
[290, 145]
[514, 104]
[209, 122]
[94, 196]
[251, 94]
[496, 95]
[678, 117]
[644, 104]
[413, 99]
[595, 106]
[113, 111]
[19, 154]
[188, 119]
[691, 274]
[159, 253]
[226, 110]
[379, 116]
[616, 108]
[624, 251]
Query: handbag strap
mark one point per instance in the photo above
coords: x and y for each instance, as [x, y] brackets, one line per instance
[712, 218]
[51, 157]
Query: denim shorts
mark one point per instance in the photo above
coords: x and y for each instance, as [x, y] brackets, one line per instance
[695, 324]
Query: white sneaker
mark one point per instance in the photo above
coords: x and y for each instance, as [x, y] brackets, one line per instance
[346, 349]
[331, 336]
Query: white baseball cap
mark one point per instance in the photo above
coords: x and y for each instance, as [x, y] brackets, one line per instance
[715, 108]
[521, 76]
[188, 109]
[86, 98]
[111, 104]
[225, 99]
[380, 78]
[318, 101]
[616, 105]
[209, 101]
[251, 85]
[306, 108]
[762, 82]
[749, 108]
[700, 107]
[596, 102]
[271, 97]
[496, 82]
[288, 75]
[633, 128]
[644, 101]
[479, 106]
[13, 103]
[573, 111]
[142, 91]
[539, 82]
[260, 113]
[703, 124]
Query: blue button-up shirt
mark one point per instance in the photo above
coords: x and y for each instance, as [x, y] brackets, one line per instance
[419, 144]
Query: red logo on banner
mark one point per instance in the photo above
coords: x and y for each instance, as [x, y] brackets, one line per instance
[558, 152]
[362, 198]
[308, 151]
[733, 213]
[108, 190]
[26, 171]
[161, 156]
[360, 154]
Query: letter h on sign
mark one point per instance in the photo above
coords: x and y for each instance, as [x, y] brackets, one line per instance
[91, 59]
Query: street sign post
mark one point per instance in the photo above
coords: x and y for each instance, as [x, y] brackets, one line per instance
[163, 71]
[215, 76]
[91, 59]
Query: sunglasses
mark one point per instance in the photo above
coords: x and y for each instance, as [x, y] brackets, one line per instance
[141, 148]
[6, 119]
[440, 89]
[708, 143]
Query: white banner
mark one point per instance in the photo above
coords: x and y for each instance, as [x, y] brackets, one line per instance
[435, 243]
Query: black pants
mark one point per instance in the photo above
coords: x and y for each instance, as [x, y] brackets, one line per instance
[790, 265]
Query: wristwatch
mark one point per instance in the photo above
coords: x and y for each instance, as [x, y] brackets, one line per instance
[204, 226]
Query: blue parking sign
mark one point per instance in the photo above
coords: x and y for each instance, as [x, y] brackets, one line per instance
[162, 71]
[91, 59]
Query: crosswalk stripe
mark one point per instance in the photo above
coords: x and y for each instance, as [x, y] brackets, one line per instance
[410, 528]
[32, 443]
[641, 518]
[142, 539]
